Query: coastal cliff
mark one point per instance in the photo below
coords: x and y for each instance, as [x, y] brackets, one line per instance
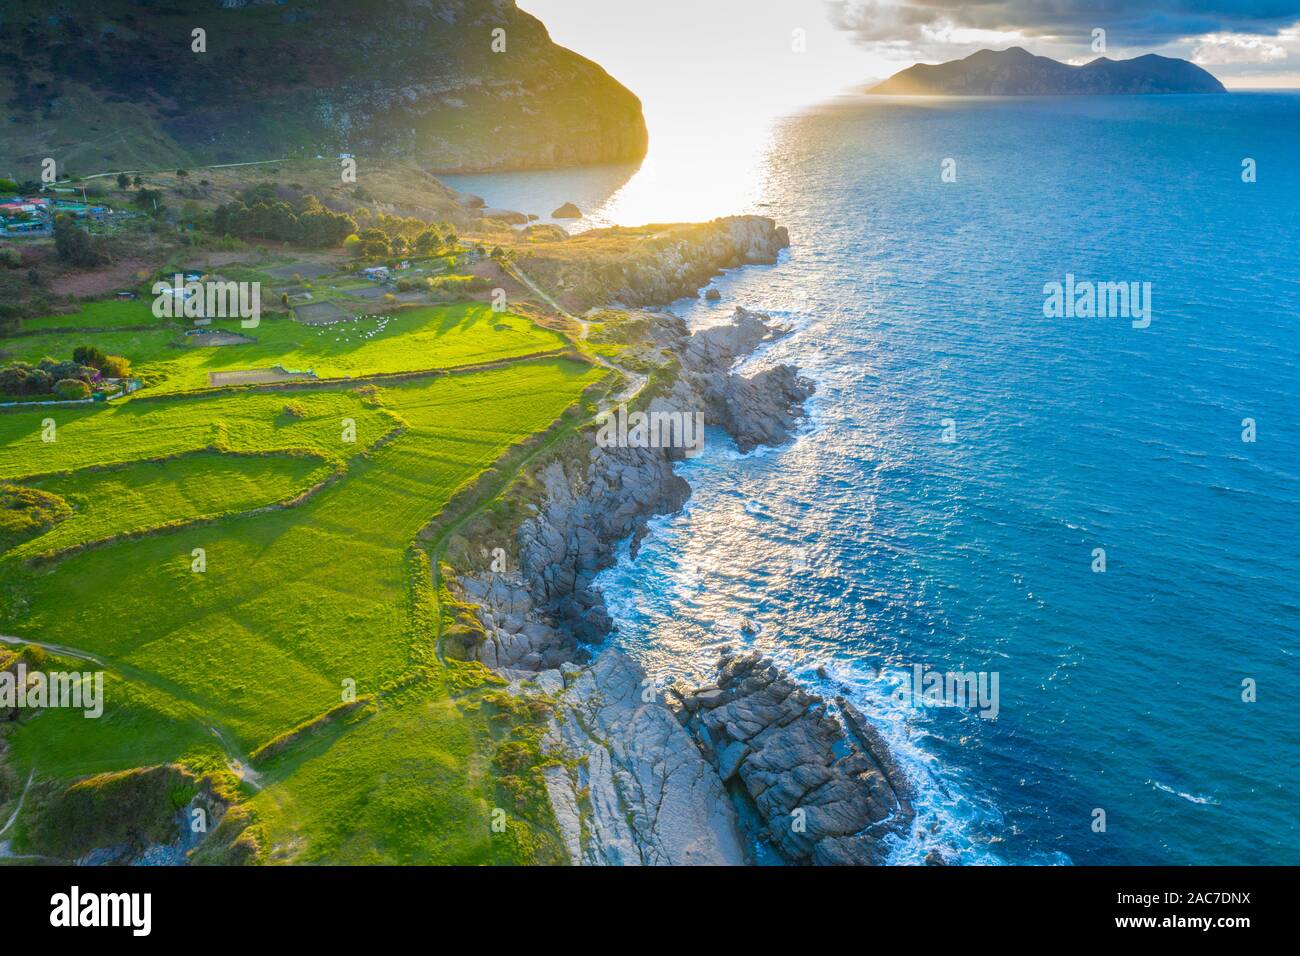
[590, 499]
[750, 767]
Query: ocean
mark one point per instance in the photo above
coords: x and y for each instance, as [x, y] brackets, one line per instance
[1071, 503]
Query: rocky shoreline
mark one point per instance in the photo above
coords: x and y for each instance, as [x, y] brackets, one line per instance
[749, 768]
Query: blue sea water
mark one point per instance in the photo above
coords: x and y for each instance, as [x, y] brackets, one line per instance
[870, 544]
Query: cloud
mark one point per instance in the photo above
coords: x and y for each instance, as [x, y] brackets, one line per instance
[1217, 49]
[1236, 37]
[1127, 22]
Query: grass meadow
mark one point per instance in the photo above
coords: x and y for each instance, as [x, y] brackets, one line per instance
[411, 340]
[312, 581]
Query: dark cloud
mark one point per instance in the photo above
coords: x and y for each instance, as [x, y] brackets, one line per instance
[1130, 22]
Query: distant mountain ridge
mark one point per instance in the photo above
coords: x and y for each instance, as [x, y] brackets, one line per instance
[1017, 72]
[455, 85]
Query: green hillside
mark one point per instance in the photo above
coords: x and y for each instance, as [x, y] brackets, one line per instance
[104, 85]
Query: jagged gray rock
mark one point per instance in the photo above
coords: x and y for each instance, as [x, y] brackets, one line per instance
[826, 795]
[634, 790]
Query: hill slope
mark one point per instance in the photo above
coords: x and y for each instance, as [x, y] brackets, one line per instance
[1017, 72]
[109, 84]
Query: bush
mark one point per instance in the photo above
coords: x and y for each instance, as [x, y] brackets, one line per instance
[70, 388]
[294, 410]
[61, 370]
[11, 258]
[115, 366]
[23, 379]
[460, 283]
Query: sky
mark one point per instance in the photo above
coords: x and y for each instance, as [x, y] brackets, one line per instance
[670, 52]
[714, 76]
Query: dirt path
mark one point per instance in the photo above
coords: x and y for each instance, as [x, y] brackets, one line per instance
[19, 809]
[237, 761]
[635, 380]
[118, 172]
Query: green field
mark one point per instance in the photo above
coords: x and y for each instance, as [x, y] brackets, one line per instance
[412, 340]
[313, 582]
[110, 314]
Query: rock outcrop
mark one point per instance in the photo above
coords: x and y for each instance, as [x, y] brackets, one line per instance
[567, 211]
[828, 792]
[652, 265]
[634, 778]
[630, 787]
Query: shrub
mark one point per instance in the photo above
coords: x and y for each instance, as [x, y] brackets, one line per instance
[10, 258]
[115, 366]
[88, 355]
[23, 379]
[69, 388]
[460, 283]
[294, 410]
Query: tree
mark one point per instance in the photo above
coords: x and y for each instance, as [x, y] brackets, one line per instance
[137, 182]
[88, 355]
[182, 174]
[123, 181]
[150, 200]
[427, 242]
[74, 244]
[71, 369]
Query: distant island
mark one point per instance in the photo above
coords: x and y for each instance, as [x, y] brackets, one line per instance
[1017, 72]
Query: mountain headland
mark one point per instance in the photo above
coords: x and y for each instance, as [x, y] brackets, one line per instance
[456, 85]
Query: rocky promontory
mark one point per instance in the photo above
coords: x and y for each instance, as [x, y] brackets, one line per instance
[827, 791]
[455, 85]
[651, 265]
